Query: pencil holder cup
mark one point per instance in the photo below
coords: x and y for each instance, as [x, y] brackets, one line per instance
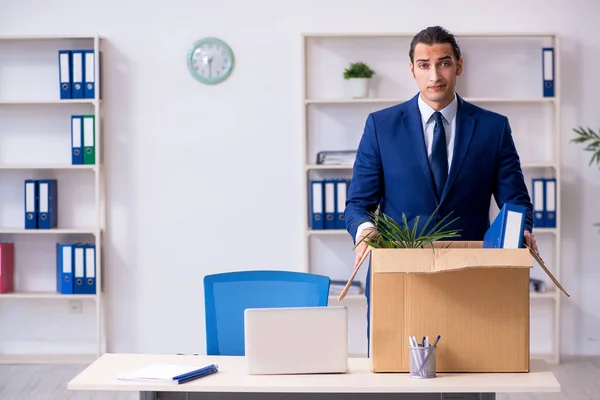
[422, 362]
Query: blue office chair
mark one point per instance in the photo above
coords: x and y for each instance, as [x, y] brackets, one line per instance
[227, 295]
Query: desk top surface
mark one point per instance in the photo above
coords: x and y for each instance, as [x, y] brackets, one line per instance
[232, 377]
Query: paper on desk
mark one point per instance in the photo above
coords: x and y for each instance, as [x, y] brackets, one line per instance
[156, 372]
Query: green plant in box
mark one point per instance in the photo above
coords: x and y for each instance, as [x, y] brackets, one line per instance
[391, 235]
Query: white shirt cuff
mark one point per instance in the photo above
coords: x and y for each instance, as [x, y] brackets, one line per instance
[361, 228]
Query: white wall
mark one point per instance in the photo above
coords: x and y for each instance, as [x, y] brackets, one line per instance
[184, 158]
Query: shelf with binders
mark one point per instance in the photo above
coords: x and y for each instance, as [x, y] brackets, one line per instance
[485, 79]
[43, 203]
[35, 70]
[48, 268]
[42, 138]
[50, 101]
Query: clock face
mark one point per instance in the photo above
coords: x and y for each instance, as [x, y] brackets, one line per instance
[210, 60]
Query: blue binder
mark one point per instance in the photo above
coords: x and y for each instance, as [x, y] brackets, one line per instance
[64, 268]
[89, 80]
[78, 70]
[89, 285]
[330, 200]
[317, 204]
[548, 71]
[341, 192]
[31, 204]
[506, 232]
[65, 75]
[76, 139]
[550, 203]
[538, 198]
[48, 203]
[79, 268]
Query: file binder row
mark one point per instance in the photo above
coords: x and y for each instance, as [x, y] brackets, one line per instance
[41, 203]
[548, 71]
[83, 139]
[76, 268]
[328, 203]
[76, 70]
[544, 202]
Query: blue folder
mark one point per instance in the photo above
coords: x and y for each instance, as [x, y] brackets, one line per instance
[506, 232]
[64, 268]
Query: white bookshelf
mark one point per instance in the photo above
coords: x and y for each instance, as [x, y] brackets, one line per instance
[46, 326]
[333, 120]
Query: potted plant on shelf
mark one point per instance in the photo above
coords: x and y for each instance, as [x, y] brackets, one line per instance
[359, 74]
[592, 139]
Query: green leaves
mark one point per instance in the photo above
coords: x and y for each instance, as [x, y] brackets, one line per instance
[392, 235]
[593, 142]
[358, 70]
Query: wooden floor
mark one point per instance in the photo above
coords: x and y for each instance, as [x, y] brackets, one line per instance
[579, 378]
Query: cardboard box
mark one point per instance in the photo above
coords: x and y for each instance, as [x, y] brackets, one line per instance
[477, 299]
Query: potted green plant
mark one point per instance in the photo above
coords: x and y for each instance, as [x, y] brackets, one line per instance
[359, 74]
[592, 139]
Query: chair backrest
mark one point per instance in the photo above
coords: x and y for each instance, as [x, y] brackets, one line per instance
[228, 294]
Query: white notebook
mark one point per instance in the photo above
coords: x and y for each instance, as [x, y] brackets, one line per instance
[163, 373]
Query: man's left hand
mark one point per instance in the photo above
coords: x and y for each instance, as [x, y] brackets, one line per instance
[530, 241]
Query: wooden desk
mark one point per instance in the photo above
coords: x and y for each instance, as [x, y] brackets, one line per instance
[101, 375]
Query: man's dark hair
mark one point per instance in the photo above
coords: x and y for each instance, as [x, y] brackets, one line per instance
[431, 35]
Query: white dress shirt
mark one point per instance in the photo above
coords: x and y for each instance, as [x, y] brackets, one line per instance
[449, 117]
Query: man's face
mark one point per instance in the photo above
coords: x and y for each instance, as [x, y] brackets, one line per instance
[435, 69]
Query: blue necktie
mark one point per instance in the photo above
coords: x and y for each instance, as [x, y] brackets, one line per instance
[439, 155]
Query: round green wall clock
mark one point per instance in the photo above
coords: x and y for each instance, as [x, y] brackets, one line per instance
[210, 60]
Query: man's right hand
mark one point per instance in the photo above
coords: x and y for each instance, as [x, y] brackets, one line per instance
[362, 246]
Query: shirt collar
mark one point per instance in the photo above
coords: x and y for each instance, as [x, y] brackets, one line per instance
[449, 112]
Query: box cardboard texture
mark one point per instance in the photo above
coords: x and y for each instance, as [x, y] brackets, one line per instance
[476, 298]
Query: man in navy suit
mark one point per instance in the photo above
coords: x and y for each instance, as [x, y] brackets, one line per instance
[435, 150]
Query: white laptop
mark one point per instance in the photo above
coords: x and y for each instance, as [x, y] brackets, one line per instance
[301, 340]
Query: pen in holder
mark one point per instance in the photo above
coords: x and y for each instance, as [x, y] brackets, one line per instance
[422, 358]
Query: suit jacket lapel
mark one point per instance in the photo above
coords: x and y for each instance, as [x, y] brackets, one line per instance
[465, 127]
[411, 121]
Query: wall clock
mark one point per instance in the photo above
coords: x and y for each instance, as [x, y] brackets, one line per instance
[210, 60]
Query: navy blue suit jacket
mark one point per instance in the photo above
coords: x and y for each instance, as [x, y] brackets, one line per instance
[392, 170]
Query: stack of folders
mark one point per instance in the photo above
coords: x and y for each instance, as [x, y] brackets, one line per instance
[544, 202]
[328, 203]
[506, 232]
[76, 70]
[336, 287]
[76, 268]
[7, 267]
[83, 139]
[41, 203]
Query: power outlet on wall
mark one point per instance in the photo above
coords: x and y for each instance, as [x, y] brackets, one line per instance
[75, 307]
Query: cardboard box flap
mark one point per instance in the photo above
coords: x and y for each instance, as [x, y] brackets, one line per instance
[541, 263]
[360, 262]
[448, 257]
[429, 260]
